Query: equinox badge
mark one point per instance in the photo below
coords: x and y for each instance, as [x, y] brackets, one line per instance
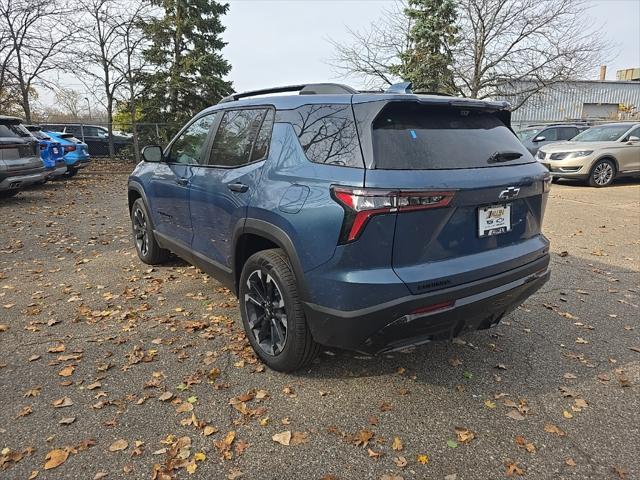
[509, 193]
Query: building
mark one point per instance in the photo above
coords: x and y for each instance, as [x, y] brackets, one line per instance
[586, 100]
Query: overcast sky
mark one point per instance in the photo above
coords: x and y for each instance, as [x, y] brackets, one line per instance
[285, 42]
[282, 42]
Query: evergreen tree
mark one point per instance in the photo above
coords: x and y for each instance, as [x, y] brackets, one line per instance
[433, 32]
[186, 66]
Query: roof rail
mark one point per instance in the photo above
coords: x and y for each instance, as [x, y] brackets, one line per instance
[308, 89]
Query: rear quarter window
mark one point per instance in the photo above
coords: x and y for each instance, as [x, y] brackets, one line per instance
[327, 133]
[415, 137]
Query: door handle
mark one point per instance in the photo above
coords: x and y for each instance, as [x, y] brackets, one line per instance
[182, 181]
[238, 187]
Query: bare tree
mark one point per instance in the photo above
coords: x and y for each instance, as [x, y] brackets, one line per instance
[506, 48]
[34, 38]
[100, 45]
[70, 100]
[373, 55]
[131, 64]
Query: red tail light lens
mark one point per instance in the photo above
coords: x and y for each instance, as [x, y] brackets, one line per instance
[360, 204]
[69, 148]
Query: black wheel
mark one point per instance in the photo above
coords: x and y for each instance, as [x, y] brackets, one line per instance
[9, 193]
[146, 245]
[602, 173]
[272, 313]
[71, 172]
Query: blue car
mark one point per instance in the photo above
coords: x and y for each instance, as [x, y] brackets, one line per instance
[51, 153]
[76, 153]
[358, 220]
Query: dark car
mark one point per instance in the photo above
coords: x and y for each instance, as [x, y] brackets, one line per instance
[20, 163]
[363, 221]
[95, 136]
[536, 136]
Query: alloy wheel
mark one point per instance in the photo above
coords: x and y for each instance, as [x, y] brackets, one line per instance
[140, 231]
[603, 173]
[266, 312]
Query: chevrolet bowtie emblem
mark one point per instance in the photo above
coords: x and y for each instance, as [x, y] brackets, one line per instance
[509, 193]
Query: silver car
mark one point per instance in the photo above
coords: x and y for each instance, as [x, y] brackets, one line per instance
[597, 155]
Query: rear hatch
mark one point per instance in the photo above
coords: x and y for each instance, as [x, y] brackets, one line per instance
[18, 149]
[471, 198]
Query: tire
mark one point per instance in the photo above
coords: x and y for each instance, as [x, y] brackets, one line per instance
[147, 246]
[71, 172]
[602, 174]
[9, 193]
[267, 275]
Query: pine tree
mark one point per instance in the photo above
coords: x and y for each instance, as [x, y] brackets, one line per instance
[426, 63]
[186, 65]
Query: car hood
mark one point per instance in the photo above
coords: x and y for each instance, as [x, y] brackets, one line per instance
[576, 146]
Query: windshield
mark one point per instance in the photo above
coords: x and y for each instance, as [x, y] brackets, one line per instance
[528, 133]
[39, 135]
[604, 133]
[413, 137]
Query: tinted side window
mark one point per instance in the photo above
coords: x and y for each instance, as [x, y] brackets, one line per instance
[550, 134]
[261, 145]
[189, 148]
[236, 134]
[326, 132]
[73, 129]
[567, 133]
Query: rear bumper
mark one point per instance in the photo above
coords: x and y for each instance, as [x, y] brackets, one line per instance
[57, 171]
[17, 181]
[392, 325]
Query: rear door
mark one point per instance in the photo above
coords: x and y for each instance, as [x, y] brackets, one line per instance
[221, 191]
[629, 154]
[169, 185]
[493, 220]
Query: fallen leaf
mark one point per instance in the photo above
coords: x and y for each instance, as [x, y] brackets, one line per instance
[67, 421]
[513, 469]
[571, 462]
[299, 437]
[400, 462]
[62, 402]
[372, 454]
[464, 435]
[118, 445]
[67, 371]
[55, 458]
[423, 459]
[452, 444]
[283, 438]
[515, 415]
[551, 428]
[489, 404]
[397, 444]
[566, 414]
[165, 396]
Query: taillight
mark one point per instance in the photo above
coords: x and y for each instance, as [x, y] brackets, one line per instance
[69, 148]
[360, 204]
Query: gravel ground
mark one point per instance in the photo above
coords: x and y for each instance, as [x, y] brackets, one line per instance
[111, 369]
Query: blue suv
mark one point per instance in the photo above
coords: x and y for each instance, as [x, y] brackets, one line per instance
[357, 220]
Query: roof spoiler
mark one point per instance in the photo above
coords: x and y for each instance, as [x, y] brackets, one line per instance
[307, 89]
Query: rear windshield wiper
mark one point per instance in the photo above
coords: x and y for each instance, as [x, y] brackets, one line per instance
[503, 157]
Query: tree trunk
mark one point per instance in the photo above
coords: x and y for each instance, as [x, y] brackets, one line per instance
[26, 106]
[175, 68]
[132, 112]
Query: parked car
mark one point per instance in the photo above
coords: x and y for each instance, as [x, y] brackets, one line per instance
[51, 152]
[598, 155]
[95, 136]
[76, 153]
[536, 136]
[364, 221]
[20, 163]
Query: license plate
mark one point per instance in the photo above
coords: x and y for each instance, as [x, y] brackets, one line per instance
[494, 220]
[55, 151]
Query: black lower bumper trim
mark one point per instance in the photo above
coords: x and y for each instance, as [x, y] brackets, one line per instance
[477, 305]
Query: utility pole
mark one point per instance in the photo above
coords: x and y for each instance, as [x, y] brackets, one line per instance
[88, 105]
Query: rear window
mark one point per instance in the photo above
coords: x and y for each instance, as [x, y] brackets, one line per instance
[13, 130]
[414, 137]
[39, 135]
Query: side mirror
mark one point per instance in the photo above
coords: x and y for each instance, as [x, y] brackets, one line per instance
[152, 153]
[633, 139]
[539, 139]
